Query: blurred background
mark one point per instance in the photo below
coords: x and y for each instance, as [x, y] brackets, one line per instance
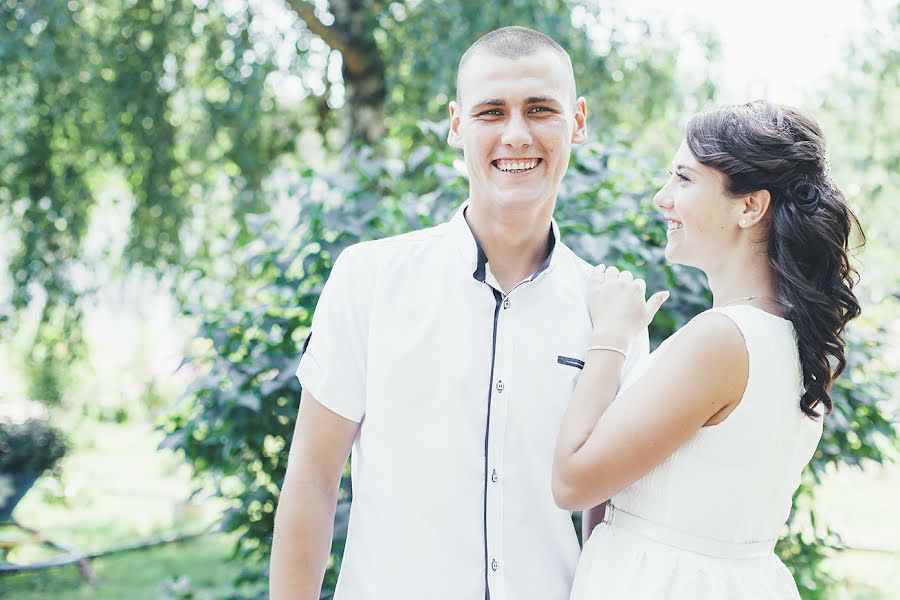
[177, 177]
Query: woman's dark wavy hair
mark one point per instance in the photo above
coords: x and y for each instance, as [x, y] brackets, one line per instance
[766, 146]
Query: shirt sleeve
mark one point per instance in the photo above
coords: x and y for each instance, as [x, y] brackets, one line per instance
[333, 363]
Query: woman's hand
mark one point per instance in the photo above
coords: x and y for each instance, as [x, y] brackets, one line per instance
[619, 310]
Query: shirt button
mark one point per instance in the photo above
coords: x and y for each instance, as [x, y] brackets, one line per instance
[494, 476]
[494, 564]
[506, 304]
[500, 386]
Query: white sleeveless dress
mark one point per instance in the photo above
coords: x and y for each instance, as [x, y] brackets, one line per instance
[702, 525]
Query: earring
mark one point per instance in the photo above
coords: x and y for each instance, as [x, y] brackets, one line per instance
[743, 223]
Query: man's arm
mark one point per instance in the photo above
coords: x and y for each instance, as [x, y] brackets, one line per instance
[303, 521]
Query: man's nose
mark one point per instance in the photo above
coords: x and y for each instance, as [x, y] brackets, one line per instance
[516, 133]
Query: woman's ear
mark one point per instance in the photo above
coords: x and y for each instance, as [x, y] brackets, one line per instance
[755, 208]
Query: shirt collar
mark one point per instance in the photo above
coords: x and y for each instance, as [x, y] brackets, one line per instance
[473, 253]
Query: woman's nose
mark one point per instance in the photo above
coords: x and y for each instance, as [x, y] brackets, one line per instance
[663, 199]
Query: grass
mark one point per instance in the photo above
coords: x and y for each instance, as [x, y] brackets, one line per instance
[116, 489]
[138, 575]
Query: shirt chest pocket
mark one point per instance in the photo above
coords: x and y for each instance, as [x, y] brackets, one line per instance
[549, 387]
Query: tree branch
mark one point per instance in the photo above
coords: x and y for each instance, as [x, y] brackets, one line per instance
[353, 59]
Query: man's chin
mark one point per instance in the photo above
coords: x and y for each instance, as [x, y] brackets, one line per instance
[518, 199]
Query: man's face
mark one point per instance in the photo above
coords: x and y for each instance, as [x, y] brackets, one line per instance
[516, 123]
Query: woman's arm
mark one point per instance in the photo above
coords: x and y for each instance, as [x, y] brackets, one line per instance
[603, 446]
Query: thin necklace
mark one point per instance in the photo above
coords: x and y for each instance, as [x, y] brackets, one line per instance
[748, 298]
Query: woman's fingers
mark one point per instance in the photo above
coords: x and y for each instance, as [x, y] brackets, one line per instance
[655, 302]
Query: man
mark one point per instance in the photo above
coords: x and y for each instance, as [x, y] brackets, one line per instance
[445, 358]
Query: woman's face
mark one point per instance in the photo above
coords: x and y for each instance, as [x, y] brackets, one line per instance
[702, 220]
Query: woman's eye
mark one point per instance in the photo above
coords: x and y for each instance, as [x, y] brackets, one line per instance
[682, 176]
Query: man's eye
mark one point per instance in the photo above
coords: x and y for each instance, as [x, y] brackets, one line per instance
[492, 113]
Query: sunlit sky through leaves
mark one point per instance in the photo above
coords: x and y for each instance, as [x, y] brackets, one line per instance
[783, 50]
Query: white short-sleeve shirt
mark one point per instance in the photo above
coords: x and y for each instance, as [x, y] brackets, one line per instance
[459, 390]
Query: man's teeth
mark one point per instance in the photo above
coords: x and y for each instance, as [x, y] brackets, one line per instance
[517, 165]
[673, 225]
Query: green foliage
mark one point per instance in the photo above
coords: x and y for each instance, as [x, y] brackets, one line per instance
[27, 449]
[236, 421]
[176, 99]
[859, 430]
[622, 81]
[861, 119]
[165, 94]
[30, 447]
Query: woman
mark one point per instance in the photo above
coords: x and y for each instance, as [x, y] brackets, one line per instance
[703, 447]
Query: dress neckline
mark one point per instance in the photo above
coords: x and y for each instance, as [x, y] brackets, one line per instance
[759, 310]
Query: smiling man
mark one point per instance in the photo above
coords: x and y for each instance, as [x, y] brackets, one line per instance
[445, 359]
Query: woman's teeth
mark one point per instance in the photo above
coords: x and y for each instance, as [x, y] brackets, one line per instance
[673, 225]
[515, 166]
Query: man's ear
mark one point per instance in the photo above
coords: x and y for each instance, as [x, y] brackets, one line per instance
[453, 137]
[756, 206]
[579, 134]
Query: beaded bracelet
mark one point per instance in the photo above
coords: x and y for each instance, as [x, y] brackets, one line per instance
[610, 348]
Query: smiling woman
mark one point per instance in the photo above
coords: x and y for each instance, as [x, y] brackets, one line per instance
[701, 451]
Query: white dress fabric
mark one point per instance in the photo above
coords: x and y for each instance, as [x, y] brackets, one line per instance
[702, 524]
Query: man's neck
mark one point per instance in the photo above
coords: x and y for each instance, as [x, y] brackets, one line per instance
[515, 245]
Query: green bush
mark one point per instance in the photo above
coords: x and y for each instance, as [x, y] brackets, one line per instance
[235, 421]
[32, 446]
[27, 449]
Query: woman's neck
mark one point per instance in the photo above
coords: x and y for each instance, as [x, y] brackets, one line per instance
[736, 281]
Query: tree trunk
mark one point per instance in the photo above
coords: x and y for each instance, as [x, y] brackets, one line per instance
[353, 35]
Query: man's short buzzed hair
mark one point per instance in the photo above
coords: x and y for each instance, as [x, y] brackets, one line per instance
[510, 42]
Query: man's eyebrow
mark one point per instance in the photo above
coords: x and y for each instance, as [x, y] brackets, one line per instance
[541, 100]
[490, 102]
[687, 168]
